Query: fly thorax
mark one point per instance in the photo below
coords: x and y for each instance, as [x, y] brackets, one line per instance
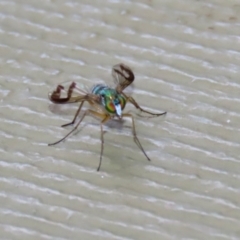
[100, 90]
[112, 101]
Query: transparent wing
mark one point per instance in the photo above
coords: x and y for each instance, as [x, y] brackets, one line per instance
[68, 92]
[123, 76]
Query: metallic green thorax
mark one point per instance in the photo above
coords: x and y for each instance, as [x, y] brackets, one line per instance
[111, 100]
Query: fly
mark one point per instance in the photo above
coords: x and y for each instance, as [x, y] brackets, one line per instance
[107, 103]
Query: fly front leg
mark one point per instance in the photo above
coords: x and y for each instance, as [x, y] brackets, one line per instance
[105, 119]
[135, 138]
[133, 101]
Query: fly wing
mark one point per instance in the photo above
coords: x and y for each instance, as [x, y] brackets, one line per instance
[67, 93]
[123, 76]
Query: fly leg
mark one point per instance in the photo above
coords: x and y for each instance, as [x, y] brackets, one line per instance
[105, 119]
[85, 114]
[133, 101]
[135, 138]
[96, 114]
[75, 117]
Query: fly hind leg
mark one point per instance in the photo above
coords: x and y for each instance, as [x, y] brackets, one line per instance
[75, 116]
[104, 118]
[75, 128]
